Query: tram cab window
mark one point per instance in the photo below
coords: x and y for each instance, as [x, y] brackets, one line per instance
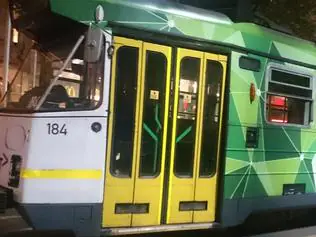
[79, 86]
[289, 98]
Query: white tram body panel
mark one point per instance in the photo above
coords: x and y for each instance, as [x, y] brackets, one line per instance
[80, 150]
[58, 165]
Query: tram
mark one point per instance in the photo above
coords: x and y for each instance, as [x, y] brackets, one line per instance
[151, 116]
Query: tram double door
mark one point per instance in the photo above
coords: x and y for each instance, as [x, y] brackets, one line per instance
[164, 135]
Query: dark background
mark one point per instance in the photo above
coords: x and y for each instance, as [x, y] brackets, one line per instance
[297, 17]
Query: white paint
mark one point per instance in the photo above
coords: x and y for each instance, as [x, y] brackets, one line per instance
[80, 149]
[61, 191]
[171, 23]
[258, 93]
[4, 170]
[99, 13]
[15, 138]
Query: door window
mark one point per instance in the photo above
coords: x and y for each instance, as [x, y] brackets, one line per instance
[186, 119]
[212, 98]
[153, 114]
[124, 111]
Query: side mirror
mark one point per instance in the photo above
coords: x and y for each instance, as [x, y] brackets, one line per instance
[93, 45]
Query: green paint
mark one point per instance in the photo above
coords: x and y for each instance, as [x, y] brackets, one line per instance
[156, 116]
[233, 165]
[158, 128]
[155, 138]
[164, 18]
[151, 133]
[182, 135]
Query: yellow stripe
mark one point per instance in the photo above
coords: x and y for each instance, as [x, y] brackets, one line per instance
[61, 174]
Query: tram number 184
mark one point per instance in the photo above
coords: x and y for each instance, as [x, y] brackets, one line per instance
[56, 129]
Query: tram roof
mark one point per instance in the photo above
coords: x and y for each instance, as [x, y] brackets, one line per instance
[166, 17]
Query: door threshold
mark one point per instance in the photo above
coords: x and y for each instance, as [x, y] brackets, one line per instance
[160, 228]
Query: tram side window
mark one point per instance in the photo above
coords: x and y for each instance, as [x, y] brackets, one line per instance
[186, 118]
[213, 97]
[124, 111]
[289, 98]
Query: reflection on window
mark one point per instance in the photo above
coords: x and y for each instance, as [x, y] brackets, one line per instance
[27, 78]
[186, 119]
[124, 111]
[78, 87]
[289, 98]
[212, 98]
[287, 110]
[278, 109]
[153, 114]
[187, 102]
[70, 78]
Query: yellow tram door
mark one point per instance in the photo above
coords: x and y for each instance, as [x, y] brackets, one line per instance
[152, 139]
[195, 142]
[136, 134]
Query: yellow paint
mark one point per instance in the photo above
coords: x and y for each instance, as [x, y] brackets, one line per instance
[206, 188]
[134, 189]
[149, 190]
[61, 174]
[181, 189]
[195, 188]
[117, 190]
[199, 132]
[199, 118]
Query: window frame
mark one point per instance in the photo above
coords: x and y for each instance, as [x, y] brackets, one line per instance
[295, 70]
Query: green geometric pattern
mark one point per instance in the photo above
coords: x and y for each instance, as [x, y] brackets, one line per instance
[285, 155]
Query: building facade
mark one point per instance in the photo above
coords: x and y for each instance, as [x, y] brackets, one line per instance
[23, 60]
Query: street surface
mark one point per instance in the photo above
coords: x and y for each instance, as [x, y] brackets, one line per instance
[10, 222]
[304, 232]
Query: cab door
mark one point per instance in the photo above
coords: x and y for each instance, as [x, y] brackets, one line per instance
[196, 129]
[136, 134]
